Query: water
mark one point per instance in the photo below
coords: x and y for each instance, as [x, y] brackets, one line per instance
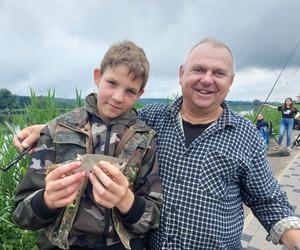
[245, 112]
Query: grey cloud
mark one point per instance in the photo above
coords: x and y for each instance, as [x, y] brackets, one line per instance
[58, 43]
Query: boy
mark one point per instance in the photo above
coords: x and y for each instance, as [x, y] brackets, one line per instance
[107, 208]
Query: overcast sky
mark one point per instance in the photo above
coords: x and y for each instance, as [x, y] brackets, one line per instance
[57, 44]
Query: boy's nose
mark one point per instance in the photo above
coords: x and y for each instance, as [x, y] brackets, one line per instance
[118, 96]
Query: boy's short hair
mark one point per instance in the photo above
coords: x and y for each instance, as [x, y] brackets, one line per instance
[129, 54]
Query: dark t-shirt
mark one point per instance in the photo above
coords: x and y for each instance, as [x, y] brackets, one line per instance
[192, 131]
[287, 112]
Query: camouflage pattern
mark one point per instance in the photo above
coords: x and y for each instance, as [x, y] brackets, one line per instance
[60, 238]
[82, 131]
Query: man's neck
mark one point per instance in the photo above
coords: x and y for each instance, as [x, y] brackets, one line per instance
[200, 117]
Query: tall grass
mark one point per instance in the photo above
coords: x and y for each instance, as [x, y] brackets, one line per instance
[40, 110]
[11, 237]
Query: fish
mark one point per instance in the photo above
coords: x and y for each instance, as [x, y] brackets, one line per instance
[90, 160]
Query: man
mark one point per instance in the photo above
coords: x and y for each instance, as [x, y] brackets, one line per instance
[211, 161]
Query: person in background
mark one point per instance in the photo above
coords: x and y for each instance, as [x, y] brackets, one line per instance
[297, 121]
[211, 162]
[288, 112]
[115, 209]
[263, 128]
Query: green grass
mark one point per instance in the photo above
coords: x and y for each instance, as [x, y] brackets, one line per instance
[41, 110]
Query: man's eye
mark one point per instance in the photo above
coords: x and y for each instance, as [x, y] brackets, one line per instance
[199, 70]
[220, 73]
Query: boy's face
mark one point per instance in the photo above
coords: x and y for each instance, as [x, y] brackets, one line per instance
[117, 91]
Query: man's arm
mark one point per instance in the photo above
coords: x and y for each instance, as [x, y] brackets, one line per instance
[287, 232]
[269, 203]
[28, 136]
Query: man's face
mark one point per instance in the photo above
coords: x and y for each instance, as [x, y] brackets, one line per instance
[117, 91]
[206, 78]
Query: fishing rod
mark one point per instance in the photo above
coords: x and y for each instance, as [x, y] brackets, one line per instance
[13, 130]
[284, 66]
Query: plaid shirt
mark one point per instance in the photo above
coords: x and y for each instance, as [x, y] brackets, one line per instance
[205, 184]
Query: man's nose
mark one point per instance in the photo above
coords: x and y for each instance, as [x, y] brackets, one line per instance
[207, 78]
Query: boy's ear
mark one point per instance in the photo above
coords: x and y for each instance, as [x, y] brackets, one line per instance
[141, 92]
[97, 76]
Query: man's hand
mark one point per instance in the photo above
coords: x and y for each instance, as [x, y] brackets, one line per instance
[291, 238]
[110, 187]
[61, 186]
[28, 136]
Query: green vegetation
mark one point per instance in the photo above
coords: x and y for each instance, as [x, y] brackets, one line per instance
[39, 110]
[270, 115]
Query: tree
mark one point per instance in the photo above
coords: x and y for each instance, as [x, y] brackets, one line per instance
[256, 102]
[298, 98]
[7, 100]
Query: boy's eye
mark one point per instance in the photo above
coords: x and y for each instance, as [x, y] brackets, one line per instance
[111, 82]
[131, 92]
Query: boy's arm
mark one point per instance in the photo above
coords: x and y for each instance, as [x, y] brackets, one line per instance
[28, 136]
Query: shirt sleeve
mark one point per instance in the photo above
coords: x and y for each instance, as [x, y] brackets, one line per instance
[281, 227]
[262, 193]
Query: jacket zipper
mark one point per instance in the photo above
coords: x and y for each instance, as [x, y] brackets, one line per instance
[106, 152]
[107, 210]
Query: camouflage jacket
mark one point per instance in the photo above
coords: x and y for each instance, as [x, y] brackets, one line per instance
[63, 139]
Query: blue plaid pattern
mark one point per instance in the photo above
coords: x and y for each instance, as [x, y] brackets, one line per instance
[206, 183]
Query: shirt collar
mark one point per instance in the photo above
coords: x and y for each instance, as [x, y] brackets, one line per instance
[228, 118]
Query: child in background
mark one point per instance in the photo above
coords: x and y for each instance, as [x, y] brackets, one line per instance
[263, 128]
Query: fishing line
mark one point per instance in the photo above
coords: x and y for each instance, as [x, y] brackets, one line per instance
[286, 63]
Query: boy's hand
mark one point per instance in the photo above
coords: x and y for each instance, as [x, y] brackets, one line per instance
[28, 136]
[111, 187]
[61, 187]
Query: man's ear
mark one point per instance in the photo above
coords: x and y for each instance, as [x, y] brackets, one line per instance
[181, 72]
[231, 80]
[97, 76]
